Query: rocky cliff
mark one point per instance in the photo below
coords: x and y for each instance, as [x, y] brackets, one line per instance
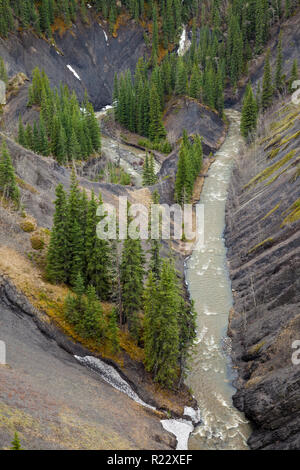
[83, 57]
[263, 240]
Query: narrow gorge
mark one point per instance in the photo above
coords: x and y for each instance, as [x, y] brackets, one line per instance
[157, 344]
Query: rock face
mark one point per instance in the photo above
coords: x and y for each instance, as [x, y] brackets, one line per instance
[195, 118]
[93, 56]
[263, 240]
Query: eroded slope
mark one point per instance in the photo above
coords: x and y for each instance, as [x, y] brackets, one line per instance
[263, 239]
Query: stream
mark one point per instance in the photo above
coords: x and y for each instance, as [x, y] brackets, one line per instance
[211, 374]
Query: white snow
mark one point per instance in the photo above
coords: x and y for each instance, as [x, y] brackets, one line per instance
[73, 72]
[111, 376]
[194, 414]
[105, 35]
[181, 429]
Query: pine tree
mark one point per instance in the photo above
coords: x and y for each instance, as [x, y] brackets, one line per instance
[97, 253]
[156, 127]
[8, 184]
[132, 274]
[294, 76]
[162, 326]
[155, 259]
[113, 332]
[16, 444]
[181, 78]
[21, 133]
[74, 233]
[183, 183]
[57, 269]
[249, 113]
[187, 320]
[267, 88]
[92, 321]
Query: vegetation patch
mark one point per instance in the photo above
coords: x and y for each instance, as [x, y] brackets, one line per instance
[292, 213]
[271, 211]
[266, 244]
[280, 173]
[28, 225]
[26, 186]
[267, 172]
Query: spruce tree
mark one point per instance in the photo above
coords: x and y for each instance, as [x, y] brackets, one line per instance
[74, 233]
[249, 113]
[16, 444]
[267, 87]
[21, 133]
[187, 320]
[156, 127]
[294, 76]
[162, 326]
[113, 332]
[57, 257]
[132, 274]
[97, 253]
[8, 184]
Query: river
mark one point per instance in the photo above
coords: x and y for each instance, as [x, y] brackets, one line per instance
[211, 374]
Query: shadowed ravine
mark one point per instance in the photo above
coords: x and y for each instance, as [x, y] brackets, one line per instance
[211, 375]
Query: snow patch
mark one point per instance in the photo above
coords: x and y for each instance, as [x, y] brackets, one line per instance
[112, 377]
[181, 430]
[73, 72]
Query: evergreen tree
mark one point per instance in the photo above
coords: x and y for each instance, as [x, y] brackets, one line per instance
[98, 254]
[161, 337]
[156, 127]
[21, 133]
[132, 274]
[57, 257]
[249, 113]
[16, 444]
[155, 260]
[267, 88]
[8, 184]
[74, 234]
[113, 332]
[294, 76]
[187, 320]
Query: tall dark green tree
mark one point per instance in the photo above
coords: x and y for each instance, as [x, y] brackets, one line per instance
[8, 184]
[57, 258]
[249, 113]
[267, 86]
[162, 303]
